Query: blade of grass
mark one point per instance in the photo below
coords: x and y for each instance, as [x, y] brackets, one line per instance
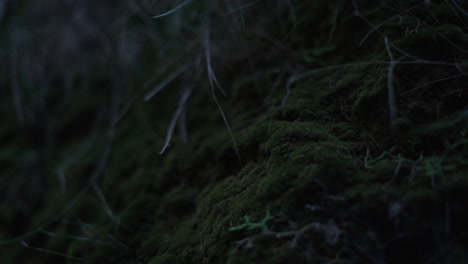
[166, 81]
[241, 8]
[173, 10]
[213, 81]
[180, 108]
[26, 245]
[392, 108]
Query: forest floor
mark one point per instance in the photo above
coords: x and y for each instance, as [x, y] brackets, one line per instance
[262, 132]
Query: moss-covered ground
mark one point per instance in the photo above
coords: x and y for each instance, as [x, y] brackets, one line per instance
[311, 168]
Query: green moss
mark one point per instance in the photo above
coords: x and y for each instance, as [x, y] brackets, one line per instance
[286, 135]
[227, 202]
[371, 100]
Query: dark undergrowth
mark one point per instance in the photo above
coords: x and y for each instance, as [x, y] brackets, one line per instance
[234, 132]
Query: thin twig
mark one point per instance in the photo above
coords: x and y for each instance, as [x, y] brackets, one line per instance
[435, 81]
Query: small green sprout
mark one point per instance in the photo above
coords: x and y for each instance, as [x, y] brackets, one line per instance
[249, 225]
